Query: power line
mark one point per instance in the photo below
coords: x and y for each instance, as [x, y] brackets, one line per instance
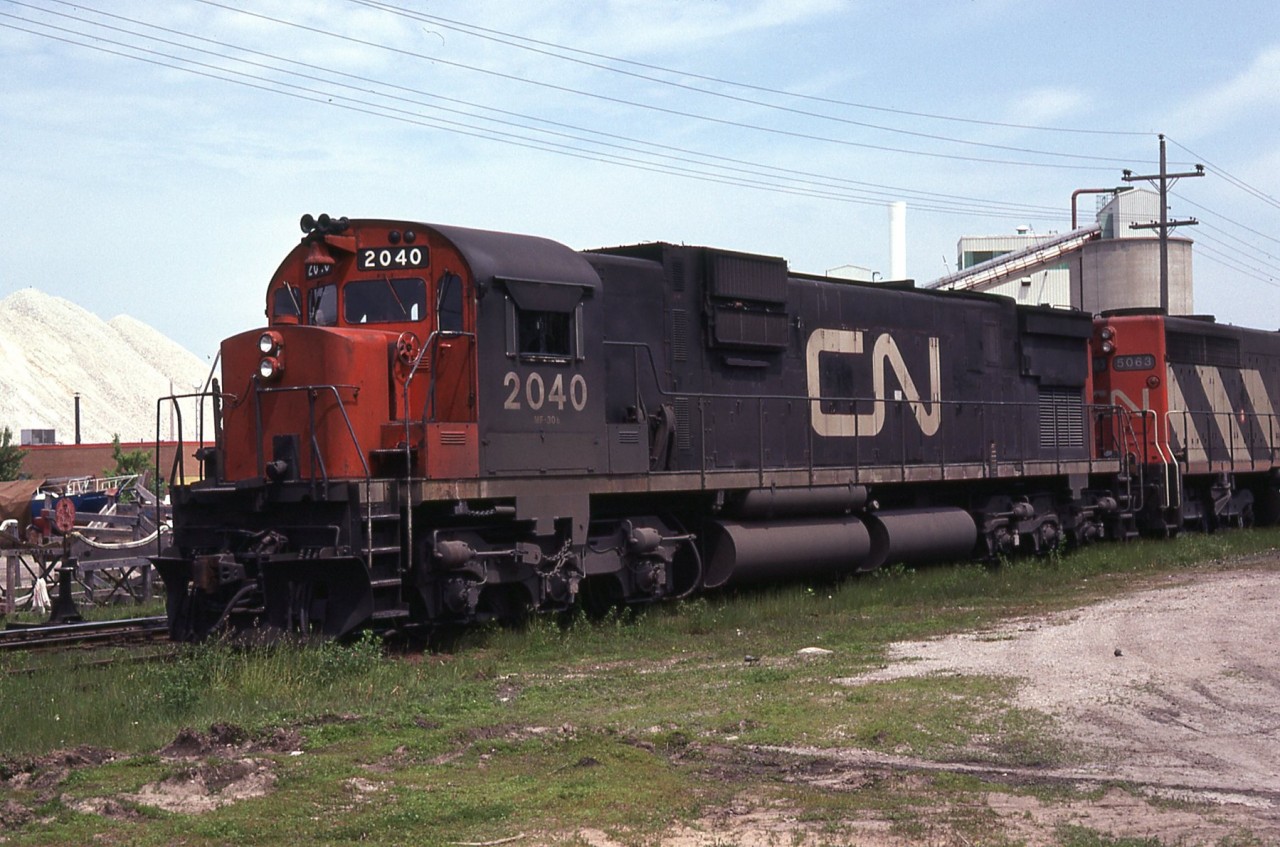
[648, 106]
[777, 180]
[876, 195]
[1260, 255]
[499, 35]
[1232, 264]
[513, 41]
[1233, 180]
[1228, 220]
[364, 107]
[976, 205]
[1263, 265]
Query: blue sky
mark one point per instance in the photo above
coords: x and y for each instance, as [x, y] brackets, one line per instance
[142, 175]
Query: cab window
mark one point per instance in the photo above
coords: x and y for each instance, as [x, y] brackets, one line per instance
[322, 306]
[287, 303]
[541, 334]
[384, 301]
[544, 320]
[449, 303]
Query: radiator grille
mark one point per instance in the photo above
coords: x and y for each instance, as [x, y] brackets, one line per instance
[680, 335]
[1215, 350]
[1061, 418]
[676, 274]
[453, 439]
[742, 328]
[684, 438]
[628, 436]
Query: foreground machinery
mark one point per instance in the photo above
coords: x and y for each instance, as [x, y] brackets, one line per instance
[441, 425]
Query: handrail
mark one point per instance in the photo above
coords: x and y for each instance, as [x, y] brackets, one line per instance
[312, 391]
[645, 351]
[179, 463]
[435, 336]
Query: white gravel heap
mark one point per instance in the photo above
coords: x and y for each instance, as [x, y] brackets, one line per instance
[50, 349]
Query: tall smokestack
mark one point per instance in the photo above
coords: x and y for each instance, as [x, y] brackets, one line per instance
[898, 240]
[77, 417]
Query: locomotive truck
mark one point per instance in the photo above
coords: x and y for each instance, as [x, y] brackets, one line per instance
[440, 425]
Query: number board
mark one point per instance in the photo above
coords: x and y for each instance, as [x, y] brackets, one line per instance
[1134, 362]
[391, 258]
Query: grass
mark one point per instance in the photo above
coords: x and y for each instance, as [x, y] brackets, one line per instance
[629, 725]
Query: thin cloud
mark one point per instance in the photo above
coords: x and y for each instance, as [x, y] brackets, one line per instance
[1048, 107]
[1252, 89]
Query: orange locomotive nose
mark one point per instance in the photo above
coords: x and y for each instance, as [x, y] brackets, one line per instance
[315, 399]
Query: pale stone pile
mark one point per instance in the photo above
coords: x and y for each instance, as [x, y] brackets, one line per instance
[51, 349]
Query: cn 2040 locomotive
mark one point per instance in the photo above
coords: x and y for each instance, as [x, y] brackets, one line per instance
[441, 425]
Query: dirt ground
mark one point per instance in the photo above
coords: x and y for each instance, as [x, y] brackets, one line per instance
[1169, 700]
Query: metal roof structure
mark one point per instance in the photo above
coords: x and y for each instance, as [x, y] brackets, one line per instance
[1046, 252]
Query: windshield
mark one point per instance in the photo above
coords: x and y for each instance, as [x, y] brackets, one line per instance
[384, 300]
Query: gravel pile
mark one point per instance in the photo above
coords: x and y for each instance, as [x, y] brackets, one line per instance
[51, 349]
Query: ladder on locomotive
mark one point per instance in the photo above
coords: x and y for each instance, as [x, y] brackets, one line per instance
[1128, 503]
[383, 545]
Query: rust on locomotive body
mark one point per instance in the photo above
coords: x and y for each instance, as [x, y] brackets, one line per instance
[439, 425]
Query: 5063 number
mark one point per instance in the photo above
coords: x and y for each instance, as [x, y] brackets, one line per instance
[534, 392]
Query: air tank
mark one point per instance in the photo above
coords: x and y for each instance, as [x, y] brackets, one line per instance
[915, 536]
[758, 552]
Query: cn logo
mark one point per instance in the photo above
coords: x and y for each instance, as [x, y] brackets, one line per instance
[885, 355]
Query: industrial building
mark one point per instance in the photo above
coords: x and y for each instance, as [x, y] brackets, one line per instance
[1098, 267]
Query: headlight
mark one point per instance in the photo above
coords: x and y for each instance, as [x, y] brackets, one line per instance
[270, 342]
[270, 368]
[1108, 347]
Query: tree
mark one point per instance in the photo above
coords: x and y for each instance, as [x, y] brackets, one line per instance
[11, 456]
[138, 462]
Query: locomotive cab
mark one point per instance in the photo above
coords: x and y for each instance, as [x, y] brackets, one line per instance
[366, 367]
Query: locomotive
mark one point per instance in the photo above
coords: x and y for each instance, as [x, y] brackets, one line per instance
[441, 425]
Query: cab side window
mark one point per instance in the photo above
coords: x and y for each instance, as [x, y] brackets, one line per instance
[544, 333]
[449, 303]
[544, 320]
[287, 304]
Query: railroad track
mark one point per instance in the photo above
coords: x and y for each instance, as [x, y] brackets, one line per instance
[60, 635]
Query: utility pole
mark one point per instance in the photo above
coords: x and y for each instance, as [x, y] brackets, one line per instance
[1164, 181]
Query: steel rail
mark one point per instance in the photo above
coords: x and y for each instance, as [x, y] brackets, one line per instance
[55, 635]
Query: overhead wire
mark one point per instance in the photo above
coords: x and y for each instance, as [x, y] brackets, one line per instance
[1256, 232]
[1232, 180]
[738, 172]
[696, 116]
[1262, 265]
[1258, 253]
[1231, 263]
[498, 36]
[791, 111]
[977, 204]
[872, 192]
[356, 105]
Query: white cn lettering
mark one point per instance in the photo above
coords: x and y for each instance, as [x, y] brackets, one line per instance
[884, 355]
